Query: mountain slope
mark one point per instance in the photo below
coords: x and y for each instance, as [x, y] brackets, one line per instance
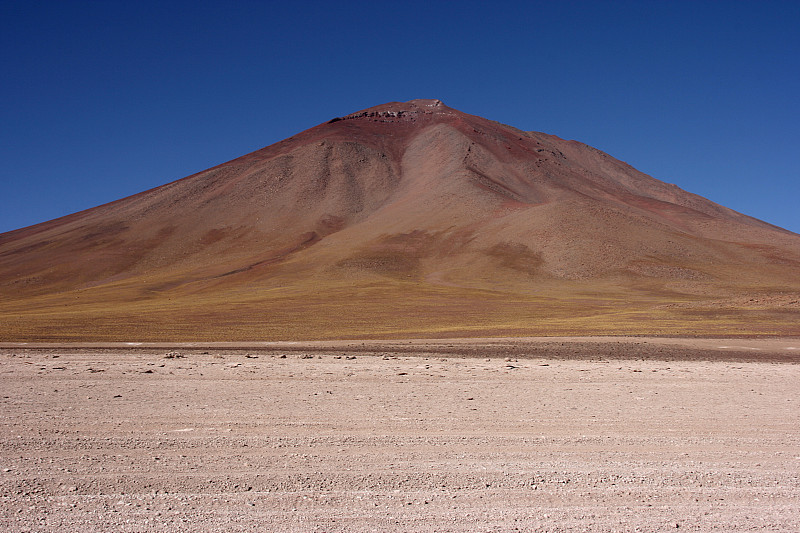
[402, 219]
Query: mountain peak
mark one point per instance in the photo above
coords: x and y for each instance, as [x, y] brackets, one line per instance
[426, 102]
[399, 110]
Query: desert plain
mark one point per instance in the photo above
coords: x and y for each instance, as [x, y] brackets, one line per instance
[536, 434]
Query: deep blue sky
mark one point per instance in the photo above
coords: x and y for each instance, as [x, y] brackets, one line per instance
[101, 100]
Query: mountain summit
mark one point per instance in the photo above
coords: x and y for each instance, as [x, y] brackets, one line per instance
[404, 219]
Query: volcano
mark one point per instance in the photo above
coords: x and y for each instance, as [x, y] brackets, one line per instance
[402, 220]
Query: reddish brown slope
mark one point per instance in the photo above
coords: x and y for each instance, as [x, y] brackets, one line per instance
[405, 218]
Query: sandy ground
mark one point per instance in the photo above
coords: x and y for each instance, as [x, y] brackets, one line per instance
[487, 435]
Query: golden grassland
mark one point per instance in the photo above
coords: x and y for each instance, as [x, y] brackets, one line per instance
[384, 308]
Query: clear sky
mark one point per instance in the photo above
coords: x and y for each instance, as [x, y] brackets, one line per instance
[101, 100]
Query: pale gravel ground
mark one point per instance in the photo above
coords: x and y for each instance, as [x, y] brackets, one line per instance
[114, 441]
